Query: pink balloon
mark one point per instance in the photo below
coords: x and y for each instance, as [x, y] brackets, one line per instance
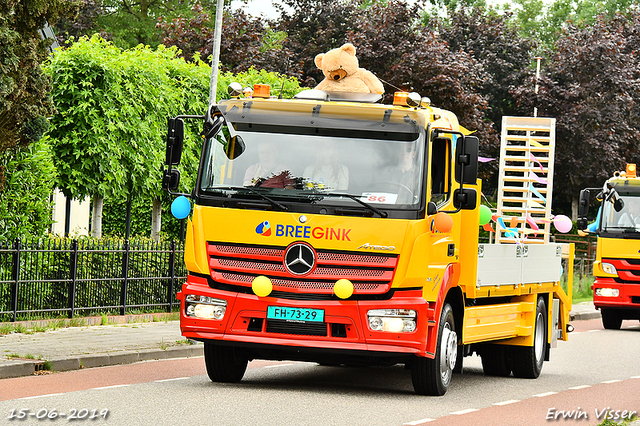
[562, 223]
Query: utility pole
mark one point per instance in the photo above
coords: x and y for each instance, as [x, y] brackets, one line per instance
[215, 60]
[535, 109]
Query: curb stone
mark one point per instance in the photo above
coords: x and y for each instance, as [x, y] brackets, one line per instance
[20, 368]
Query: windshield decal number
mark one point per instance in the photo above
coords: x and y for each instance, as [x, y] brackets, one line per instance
[379, 197]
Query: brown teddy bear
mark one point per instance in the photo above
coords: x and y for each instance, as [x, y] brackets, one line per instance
[342, 74]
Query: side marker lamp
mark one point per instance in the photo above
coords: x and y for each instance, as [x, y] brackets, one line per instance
[204, 307]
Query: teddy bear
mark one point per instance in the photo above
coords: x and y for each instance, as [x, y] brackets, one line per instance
[342, 74]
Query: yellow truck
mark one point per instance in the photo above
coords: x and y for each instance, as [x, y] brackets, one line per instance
[616, 290]
[335, 229]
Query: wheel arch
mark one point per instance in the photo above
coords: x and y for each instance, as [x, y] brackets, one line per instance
[452, 294]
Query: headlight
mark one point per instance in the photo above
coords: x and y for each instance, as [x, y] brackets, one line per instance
[392, 320]
[205, 307]
[607, 292]
[609, 268]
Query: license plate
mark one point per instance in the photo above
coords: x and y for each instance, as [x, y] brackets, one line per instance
[295, 314]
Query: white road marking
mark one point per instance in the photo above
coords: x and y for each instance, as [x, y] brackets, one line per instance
[40, 396]
[511, 401]
[635, 377]
[171, 380]
[468, 410]
[111, 387]
[612, 381]
[540, 395]
[417, 422]
[580, 387]
[277, 365]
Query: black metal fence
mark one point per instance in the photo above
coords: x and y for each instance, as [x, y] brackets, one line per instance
[68, 277]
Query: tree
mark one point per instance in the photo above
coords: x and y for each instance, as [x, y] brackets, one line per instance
[492, 39]
[591, 86]
[313, 27]
[24, 89]
[413, 58]
[246, 41]
[546, 21]
[108, 136]
[29, 180]
[126, 23]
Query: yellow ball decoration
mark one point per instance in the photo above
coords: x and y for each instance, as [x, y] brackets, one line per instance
[262, 286]
[343, 288]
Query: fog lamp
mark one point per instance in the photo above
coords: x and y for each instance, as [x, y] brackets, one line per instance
[607, 292]
[392, 320]
[205, 307]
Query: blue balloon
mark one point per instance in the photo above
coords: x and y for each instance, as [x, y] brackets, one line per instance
[181, 207]
[593, 226]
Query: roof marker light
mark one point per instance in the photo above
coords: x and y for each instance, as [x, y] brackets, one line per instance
[400, 98]
[261, 91]
[631, 170]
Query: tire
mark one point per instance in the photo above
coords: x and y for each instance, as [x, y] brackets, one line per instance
[526, 361]
[611, 319]
[433, 376]
[224, 363]
[496, 360]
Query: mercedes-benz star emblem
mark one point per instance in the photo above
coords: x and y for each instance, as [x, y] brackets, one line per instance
[299, 259]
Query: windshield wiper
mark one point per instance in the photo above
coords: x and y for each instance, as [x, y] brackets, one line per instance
[258, 193]
[356, 199]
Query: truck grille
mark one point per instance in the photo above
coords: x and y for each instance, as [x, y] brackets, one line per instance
[299, 329]
[628, 269]
[239, 264]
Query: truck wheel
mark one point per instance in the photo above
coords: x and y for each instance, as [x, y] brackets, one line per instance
[527, 360]
[432, 376]
[496, 360]
[611, 319]
[224, 363]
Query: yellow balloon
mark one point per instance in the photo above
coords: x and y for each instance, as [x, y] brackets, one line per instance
[262, 286]
[343, 288]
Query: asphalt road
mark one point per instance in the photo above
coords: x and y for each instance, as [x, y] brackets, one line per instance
[594, 370]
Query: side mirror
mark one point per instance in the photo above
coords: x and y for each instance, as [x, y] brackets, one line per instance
[235, 147]
[583, 203]
[431, 208]
[175, 141]
[170, 179]
[618, 204]
[465, 199]
[212, 125]
[467, 160]
[582, 224]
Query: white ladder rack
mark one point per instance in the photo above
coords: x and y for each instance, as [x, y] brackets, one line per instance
[525, 186]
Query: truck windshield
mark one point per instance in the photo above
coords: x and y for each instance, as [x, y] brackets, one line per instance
[627, 220]
[315, 166]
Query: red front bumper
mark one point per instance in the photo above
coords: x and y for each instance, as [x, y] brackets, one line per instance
[628, 293]
[346, 322]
